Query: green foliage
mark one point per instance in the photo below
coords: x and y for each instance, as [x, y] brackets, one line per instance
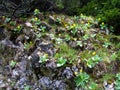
[61, 61]
[28, 45]
[82, 79]
[27, 87]
[91, 62]
[117, 82]
[36, 12]
[93, 86]
[12, 63]
[66, 52]
[43, 58]
[18, 29]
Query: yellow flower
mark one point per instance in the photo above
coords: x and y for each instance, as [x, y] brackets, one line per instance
[87, 64]
[102, 23]
[36, 18]
[76, 73]
[74, 39]
[74, 25]
[82, 22]
[99, 19]
[81, 70]
[59, 34]
[93, 53]
[18, 27]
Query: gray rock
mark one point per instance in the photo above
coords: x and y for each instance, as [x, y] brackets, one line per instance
[52, 20]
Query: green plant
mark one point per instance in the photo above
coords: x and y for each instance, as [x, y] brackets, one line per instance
[66, 52]
[82, 79]
[27, 87]
[28, 45]
[36, 21]
[80, 43]
[93, 86]
[117, 82]
[42, 28]
[7, 19]
[67, 37]
[61, 61]
[103, 26]
[59, 20]
[43, 58]
[91, 62]
[36, 12]
[18, 29]
[12, 63]
[12, 23]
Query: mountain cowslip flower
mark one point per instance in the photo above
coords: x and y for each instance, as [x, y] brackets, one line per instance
[93, 53]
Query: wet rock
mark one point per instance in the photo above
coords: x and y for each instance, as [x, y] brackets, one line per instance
[45, 83]
[51, 64]
[59, 85]
[21, 83]
[67, 73]
[2, 84]
[52, 20]
[48, 48]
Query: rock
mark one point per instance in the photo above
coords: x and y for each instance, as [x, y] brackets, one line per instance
[52, 20]
[108, 86]
[51, 64]
[67, 73]
[2, 33]
[21, 83]
[28, 24]
[45, 83]
[59, 85]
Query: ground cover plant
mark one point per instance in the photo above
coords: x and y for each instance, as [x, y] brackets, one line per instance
[47, 51]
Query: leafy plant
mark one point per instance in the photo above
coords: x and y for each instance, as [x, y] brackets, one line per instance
[61, 61]
[82, 79]
[93, 86]
[103, 26]
[36, 12]
[66, 52]
[27, 87]
[43, 58]
[80, 43]
[91, 62]
[28, 45]
[42, 28]
[12, 63]
[117, 82]
[18, 29]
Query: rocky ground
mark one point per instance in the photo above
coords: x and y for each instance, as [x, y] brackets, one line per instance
[48, 51]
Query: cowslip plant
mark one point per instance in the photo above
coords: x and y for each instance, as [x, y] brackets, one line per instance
[36, 21]
[28, 45]
[91, 62]
[12, 63]
[43, 58]
[61, 61]
[18, 29]
[103, 25]
[42, 28]
[82, 79]
[36, 12]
